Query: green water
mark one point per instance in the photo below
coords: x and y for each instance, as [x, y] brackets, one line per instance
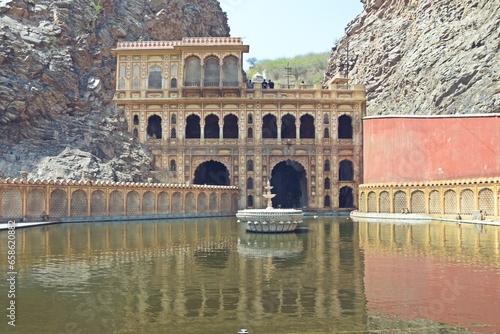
[210, 276]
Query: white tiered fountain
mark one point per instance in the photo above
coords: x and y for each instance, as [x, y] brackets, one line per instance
[270, 220]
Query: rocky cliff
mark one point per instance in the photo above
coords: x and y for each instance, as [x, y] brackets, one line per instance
[57, 80]
[424, 56]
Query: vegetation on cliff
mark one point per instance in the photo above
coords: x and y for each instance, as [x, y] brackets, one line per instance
[309, 68]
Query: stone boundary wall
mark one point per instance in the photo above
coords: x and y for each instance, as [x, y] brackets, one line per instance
[439, 198]
[68, 200]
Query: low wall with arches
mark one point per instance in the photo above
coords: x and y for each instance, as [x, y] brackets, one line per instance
[440, 198]
[68, 200]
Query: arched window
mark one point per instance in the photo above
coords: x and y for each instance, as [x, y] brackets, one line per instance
[155, 80]
[250, 165]
[230, 72]
[173, 75]
[173, 83]
[288, 129]
[122, 76]
[172, 165]
[346, 198]
[327, 183]
[230, 129]
[326, 119]
[307, 126]
[193, 129]
[250, 201]
[192, 73]
[250, 133]
[326, 133]
[154, 127]
[269, 127]
[136, 120]
[211, 126]
[346, 171]
[328, 201]
[212, 72]
[250, 183]
[173, 133]
[173, 119]
[345, 127]
[136, 83]
[250, 119]
[327, 165]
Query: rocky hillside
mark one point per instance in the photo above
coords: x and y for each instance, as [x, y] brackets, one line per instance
[425, 56]
[57, 117]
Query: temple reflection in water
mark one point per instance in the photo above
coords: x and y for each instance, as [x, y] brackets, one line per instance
[201, 274]
[208, 276]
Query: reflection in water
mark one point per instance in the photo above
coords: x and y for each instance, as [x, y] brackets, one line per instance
[442, 273]
[199, 276]
[209, 276]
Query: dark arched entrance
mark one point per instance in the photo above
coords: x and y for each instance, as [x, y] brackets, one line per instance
[154, 127]
[193, 129]
[288, 128]
[346, 199]
[290, 185]
[212, 173]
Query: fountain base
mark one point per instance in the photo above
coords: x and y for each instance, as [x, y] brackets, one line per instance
[270, 220]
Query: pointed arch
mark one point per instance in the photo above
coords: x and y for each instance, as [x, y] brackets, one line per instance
[155, 78]
[307, 127]
[192, 72]
[230, 128]
[345, 127]
[212, 129]
[288, 128]
[193, 129]
[269, 126]
[154, 127]
[212, 72]
[230, 72]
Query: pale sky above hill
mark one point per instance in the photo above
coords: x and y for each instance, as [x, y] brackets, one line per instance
[288, 28]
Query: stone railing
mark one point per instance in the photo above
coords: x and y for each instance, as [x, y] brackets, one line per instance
[441, 198]
[184, 41]
[68, 200]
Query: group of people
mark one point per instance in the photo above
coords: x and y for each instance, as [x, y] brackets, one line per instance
[265, 84]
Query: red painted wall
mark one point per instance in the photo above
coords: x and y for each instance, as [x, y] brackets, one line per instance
[462, 296]
[430, 148]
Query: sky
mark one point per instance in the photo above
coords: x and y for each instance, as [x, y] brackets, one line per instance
[288, 28]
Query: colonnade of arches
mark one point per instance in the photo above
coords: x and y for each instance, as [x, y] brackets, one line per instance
[431, 201]
[212, 72]
[212, 127]
[57, 203]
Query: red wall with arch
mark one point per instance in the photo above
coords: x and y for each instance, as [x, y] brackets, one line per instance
[430, 148]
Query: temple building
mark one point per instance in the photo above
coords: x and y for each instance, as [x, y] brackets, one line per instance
[190, 103]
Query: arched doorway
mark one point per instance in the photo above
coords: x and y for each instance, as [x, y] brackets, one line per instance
[346, 199]
[290, 185]
[211, 127]
[230, 128]
[269, 127]
[307, 126]
[212, 173]
[154, 127]
[345, 127]
[193, 129]
[288, 128]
